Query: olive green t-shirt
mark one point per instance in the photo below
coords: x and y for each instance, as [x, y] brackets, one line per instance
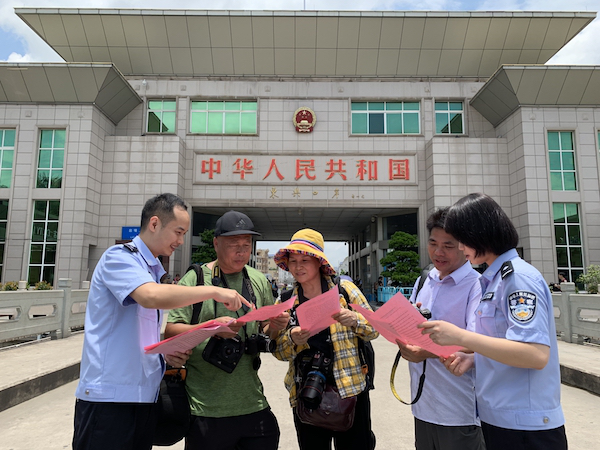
[213, 392]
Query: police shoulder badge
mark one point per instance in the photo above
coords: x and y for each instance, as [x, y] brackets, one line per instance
[521, 305]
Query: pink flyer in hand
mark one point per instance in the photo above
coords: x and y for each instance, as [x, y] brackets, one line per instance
[188, 339]
[266, 312]
[397, 319]
[315, 314]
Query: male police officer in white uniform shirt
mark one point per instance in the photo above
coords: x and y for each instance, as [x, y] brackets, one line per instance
[119, 383]
[445, 414]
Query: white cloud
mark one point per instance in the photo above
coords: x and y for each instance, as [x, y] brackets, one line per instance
[17, 58]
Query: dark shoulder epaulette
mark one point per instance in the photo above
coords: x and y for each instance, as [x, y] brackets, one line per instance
[132, 248]
[506, 269]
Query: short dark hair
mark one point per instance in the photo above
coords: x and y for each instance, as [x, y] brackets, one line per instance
[477, 221]
[162, 206]
[437, 219]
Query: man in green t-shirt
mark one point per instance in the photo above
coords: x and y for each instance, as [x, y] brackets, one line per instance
[229, 408]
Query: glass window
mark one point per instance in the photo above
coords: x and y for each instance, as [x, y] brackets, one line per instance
[44, 235]
[161, 116]
[51, 159]
[7, 152]
[561, 159]
[385, 118]
[568, 242]
[224, 117]
[449, 118]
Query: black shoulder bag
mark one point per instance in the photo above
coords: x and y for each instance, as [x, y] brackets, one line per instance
[173, 406]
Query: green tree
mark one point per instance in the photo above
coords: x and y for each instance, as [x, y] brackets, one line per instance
[206, 252]
[401, 263]
[591, 279]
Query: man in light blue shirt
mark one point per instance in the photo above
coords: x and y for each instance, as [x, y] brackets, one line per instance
[118, 386]
[445, 414]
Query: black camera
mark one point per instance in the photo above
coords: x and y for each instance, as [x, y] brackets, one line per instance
[224, 353]
[315, 381]
[259, 343]
[425, 313]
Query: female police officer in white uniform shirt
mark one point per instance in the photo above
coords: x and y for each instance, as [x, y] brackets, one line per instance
[517, 379]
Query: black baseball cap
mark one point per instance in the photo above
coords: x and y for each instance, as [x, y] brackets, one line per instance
[233, 223]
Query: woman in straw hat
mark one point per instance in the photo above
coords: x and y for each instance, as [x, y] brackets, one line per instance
[305, 260]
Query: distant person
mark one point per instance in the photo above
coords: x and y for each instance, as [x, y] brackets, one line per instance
[517, 377]
[555, 287]
[119, 383]
[305, 259]
[446, 412]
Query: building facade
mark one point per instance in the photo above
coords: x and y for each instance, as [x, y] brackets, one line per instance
[357, 124]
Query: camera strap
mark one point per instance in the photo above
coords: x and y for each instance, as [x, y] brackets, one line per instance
[219, 278]
[424, 274]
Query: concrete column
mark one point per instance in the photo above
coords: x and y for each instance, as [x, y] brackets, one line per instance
[85, 285]
[566, 290]
[65, 285]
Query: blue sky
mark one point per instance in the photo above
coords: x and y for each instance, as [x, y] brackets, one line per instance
[19, 44]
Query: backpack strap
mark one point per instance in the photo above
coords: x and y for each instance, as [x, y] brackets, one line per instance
[197, 307]
[366, 353]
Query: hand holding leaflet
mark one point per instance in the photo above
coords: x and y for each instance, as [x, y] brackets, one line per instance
[397, 319]
[315, 314]
[188, 339]
[266, 312]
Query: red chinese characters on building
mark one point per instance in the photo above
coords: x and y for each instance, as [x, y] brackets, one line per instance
[211, 167]
[272, 167]
[305, 167]
[368, 168]
[242, 167]
[399, 169]
[336, 167]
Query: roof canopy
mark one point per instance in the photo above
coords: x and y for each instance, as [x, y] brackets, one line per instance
[98, 84]
[305, 43]
[514, 86]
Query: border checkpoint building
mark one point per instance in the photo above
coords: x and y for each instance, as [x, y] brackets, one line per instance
[357, 124]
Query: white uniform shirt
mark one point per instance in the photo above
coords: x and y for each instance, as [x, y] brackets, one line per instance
[114, 367]
[446, 399]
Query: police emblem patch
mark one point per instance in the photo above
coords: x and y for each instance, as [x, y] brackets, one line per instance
[521, 305]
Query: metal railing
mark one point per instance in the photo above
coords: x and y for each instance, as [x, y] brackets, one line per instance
[26, 313]
[387, 292]
[576, 315]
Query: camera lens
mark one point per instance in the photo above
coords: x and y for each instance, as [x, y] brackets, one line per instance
[312, 391]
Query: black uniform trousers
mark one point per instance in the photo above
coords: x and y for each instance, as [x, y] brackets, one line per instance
[115, 426]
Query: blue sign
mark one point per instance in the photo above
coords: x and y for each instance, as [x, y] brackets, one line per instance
[129, 232]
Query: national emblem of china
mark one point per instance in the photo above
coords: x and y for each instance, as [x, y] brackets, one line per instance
[304, 120]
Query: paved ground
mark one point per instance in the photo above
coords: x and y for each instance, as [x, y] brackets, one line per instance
[46, 421]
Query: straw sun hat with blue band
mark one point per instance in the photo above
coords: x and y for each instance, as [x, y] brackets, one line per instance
[305, 242]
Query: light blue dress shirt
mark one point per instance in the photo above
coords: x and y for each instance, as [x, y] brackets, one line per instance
[446, 399]
[517, 307]
[114, 367]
